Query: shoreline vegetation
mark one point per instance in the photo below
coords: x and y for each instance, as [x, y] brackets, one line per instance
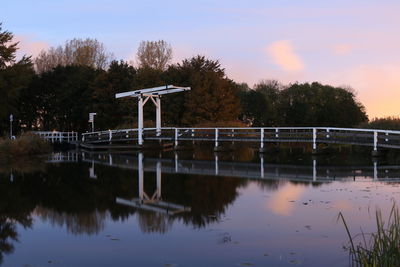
[23, 145]
[381, 248]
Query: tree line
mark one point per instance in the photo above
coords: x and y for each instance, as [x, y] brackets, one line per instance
[57, 89]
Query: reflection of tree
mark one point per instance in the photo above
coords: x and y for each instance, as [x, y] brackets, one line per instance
[15, 210]
[76, 223]
[151, 222]
[207, 196]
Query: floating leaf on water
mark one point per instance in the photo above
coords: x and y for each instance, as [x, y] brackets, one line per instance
[246, 264]
[169, 264]
[266, 254]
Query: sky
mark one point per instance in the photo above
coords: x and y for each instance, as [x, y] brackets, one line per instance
[343, 43]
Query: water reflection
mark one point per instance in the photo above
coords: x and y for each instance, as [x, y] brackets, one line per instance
[81, 192]
[251, 170]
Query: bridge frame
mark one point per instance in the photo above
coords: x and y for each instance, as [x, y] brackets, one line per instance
[154, 93]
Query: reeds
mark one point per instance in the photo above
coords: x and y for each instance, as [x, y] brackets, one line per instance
[24, 145]
[381, 248]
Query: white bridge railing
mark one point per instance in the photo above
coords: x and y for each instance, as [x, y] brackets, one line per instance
[314, 135]
[58, 137]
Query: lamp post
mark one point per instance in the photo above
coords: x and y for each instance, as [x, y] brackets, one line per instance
[91, 119]
[11, 123]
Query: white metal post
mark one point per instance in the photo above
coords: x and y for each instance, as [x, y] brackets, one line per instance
[314, 169]
[262, 165]
[327, 133]
[158, 179]
[262, 138]
[11, 126]
[158, 116]
[109, 135]
[276, 132]
[375, 141]
[314, 138]
[216, 164]
[375, 170]
[140, 174]
[176, 137]
[140, 120]
[176, 161]
[216, 137]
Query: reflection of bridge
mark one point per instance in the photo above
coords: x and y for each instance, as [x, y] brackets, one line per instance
[315, 135]
[155, 202]
[250, 170]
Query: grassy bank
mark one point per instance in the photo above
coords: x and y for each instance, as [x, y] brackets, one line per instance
[381, 248]
[24, 145]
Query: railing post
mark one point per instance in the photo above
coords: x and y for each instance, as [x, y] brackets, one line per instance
[176, 137]
[276, 132]
[327, 133]
[216, 137]
[314, 139]
[262, 140]
[375, 141]
[109, 135]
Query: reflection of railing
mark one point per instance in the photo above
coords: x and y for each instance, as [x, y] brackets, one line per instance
[58, 137]
[63, 157]
[314, 135]
[251, 170]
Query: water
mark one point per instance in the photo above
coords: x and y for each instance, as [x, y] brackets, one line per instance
[184, 209]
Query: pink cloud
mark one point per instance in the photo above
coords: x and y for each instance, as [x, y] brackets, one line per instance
[342, 49]
[283, 55]
[29, 46]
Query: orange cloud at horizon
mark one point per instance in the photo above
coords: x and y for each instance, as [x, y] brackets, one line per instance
[378, 88]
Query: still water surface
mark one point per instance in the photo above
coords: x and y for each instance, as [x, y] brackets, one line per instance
[85, 209]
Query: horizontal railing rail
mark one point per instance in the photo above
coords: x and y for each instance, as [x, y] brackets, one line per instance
[58, 137]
